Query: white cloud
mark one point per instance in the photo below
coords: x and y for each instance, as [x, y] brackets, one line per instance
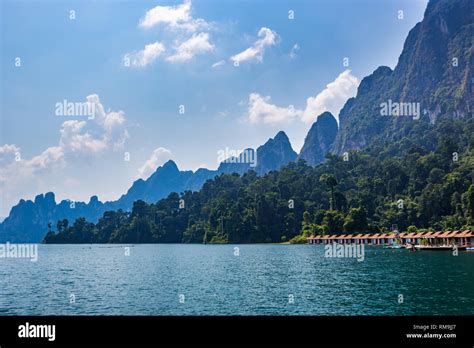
[332, 98]
[198, 43]
[174, 17]
[260, 109]
[218, 64]
[78, 140]
[8, 153]
[109, 124]
[49, 157]
[294, 51]
[157, 158]
[109, 133]
[75, 139]
[255, 52]
[149, 54]
[8, 149]
[22, 178]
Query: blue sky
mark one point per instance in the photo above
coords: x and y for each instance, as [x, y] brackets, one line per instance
[137, 62]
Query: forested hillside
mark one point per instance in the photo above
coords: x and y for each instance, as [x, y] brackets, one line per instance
[428, 185]
[413, 169]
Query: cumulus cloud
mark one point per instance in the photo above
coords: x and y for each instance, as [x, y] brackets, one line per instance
[198, 43]
[332, 98]
[8, 152]
[146, 56]
[111, 122]
[50, 157]
[105, 132]
[8, 149]
[267, 37]
[19, 176]
[109, 126]
[173, 17]
[157, 158]
[261, 110]
[76, 139]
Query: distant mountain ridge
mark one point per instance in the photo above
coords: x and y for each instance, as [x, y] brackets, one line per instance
[28, 220]
[434, 71]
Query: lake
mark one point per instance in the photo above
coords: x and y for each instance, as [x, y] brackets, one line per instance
[259, 279]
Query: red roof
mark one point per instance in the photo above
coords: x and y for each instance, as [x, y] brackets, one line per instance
[445, 234]
[466, 234]
[454, 234]
[412, 235]
[427, 234]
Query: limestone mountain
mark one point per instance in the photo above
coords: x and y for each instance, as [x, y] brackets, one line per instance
[275, 153]
[28, 220]
[167, 178]
[432, 84]
[433, 76]
[319, 139]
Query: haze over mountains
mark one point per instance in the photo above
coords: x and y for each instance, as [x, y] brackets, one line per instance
[29, 219]
[434, 72]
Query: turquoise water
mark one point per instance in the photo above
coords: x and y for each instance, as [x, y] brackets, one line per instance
[212, 280]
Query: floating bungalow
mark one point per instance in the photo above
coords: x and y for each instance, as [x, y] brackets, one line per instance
[429, 239]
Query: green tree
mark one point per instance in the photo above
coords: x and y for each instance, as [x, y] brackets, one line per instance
[356, 221]
[329, 180]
